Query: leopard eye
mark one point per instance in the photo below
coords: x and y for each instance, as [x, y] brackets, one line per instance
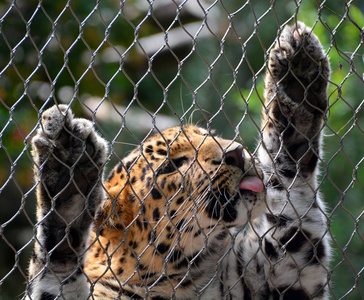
[173, 165]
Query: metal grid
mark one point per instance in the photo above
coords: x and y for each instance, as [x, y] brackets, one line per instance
[135, 66]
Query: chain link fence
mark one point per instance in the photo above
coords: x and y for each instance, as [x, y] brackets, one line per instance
[132, 66]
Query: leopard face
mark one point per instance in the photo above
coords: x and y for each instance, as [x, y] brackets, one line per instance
[171, 196]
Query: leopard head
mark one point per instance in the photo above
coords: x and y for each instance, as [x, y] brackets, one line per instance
[176, 192]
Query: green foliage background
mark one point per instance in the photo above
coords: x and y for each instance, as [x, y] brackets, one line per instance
[45, 55]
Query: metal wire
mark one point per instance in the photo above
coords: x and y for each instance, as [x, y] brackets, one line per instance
[137, 67]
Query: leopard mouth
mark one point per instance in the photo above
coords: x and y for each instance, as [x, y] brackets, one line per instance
[224, 205]
[223, 202]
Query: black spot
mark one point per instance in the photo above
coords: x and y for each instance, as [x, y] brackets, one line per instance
[312, 163]
[168, 168]
[149, 149]
[162, 248]
[183, 263]
[149, 179]
[221, 286]
[133, 180]
[189, 229]
[186, 283]
[47, 296]
[156, 214]
[289, 131]
[148, 275]
[316, 253]
[193, 259]
[197, 233]
[258, 269]
[291, 293]
[145, 223]
[120, 226]
[275, 184]
[144, 171]
[171, 186]
[163, 183]
[131, 198]
[107, 246]
[319, 290]
[221, 236]
[180, 223]
[230, 213]
[247, 291]
[173, 213]
[180, 200]
[288, 173]
[279, 221]
[131, 295]
[156, 194]
[320, 250]
[151, 236]
[133, 244]
[162, 152]
[34, 257]
[97, 254]
[111, 175]
[296, 239]
[201, 182]
[270, 250]
[120, 271]
[215, 207]
[119, 168]
[139, 224]
[111, 286]
[159, 143]
[176, 255]
[127, 165]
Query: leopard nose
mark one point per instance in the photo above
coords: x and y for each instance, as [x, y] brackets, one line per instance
[235, 157]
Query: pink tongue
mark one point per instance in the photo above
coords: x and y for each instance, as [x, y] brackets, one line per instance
[251, 183]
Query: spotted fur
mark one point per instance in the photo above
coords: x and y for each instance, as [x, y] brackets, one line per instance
[185, 215]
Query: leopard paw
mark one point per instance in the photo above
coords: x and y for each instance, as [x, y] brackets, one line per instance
[297, 78]
[298, 70]
[296, 97]
[69, 157]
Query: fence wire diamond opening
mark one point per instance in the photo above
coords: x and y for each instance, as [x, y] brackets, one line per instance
[135, 68]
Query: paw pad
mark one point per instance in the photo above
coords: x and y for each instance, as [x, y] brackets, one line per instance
[54, 120]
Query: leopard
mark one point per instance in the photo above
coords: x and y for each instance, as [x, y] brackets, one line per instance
[188, 214]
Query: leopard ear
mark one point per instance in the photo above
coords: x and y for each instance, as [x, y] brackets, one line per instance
[116, 211]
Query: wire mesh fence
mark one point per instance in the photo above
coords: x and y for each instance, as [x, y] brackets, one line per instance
[137, 66]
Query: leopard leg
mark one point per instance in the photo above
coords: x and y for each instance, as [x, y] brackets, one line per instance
[286, 254]
[69, 157]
